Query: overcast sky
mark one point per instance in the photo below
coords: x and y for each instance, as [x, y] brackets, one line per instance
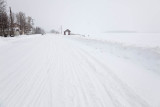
[92, 16]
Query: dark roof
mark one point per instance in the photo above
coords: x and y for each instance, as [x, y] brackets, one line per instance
[67, 30]
[15, 25]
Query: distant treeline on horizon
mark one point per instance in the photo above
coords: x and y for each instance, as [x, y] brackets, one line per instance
[120, 32]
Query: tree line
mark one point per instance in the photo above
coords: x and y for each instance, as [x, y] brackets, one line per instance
[9, 21]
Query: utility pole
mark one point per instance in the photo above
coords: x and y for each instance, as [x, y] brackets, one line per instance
[61, 29]
[11, 21]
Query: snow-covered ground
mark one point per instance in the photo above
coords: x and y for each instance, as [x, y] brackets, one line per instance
[2, 42]
[132, 39]
[75, 71]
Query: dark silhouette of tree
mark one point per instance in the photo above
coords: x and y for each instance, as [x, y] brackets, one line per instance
[3, 17]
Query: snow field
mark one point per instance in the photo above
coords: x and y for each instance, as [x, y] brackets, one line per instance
[58, 71]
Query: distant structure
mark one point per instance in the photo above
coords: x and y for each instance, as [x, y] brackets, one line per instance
[67, 32]
[14, 30]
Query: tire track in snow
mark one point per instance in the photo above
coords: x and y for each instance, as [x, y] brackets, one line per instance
[77, 70]
[81, 93]
[91, 82]
[24, 81]
[119, 86]
[13, 74]
[81, 73]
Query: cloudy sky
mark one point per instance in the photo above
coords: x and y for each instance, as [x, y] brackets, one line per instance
[92, 16]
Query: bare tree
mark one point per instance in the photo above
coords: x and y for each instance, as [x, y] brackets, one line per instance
[2, 5]
[3, 17]
[21, 20]
[8, 21]
[39, 30]
[54, 31]
[29, 23]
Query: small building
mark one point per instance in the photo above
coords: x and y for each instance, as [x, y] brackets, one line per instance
[15, 28]
[67, 32]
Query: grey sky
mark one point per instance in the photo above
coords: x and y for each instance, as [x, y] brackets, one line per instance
[82, 16]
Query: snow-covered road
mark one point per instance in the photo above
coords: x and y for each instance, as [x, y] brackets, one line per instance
[58, 71]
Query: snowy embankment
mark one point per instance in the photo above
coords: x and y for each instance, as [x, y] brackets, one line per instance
[73, 71]
[132, 39]
[141, 47]
[135, 58]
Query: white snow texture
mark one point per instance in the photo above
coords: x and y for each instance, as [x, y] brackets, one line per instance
[105, 70]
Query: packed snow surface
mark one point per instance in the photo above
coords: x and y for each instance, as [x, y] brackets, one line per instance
[80, 71]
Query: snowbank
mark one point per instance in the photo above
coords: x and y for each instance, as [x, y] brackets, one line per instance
[9, 40]
[134, 39]
[143, 49]
[149, 41]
